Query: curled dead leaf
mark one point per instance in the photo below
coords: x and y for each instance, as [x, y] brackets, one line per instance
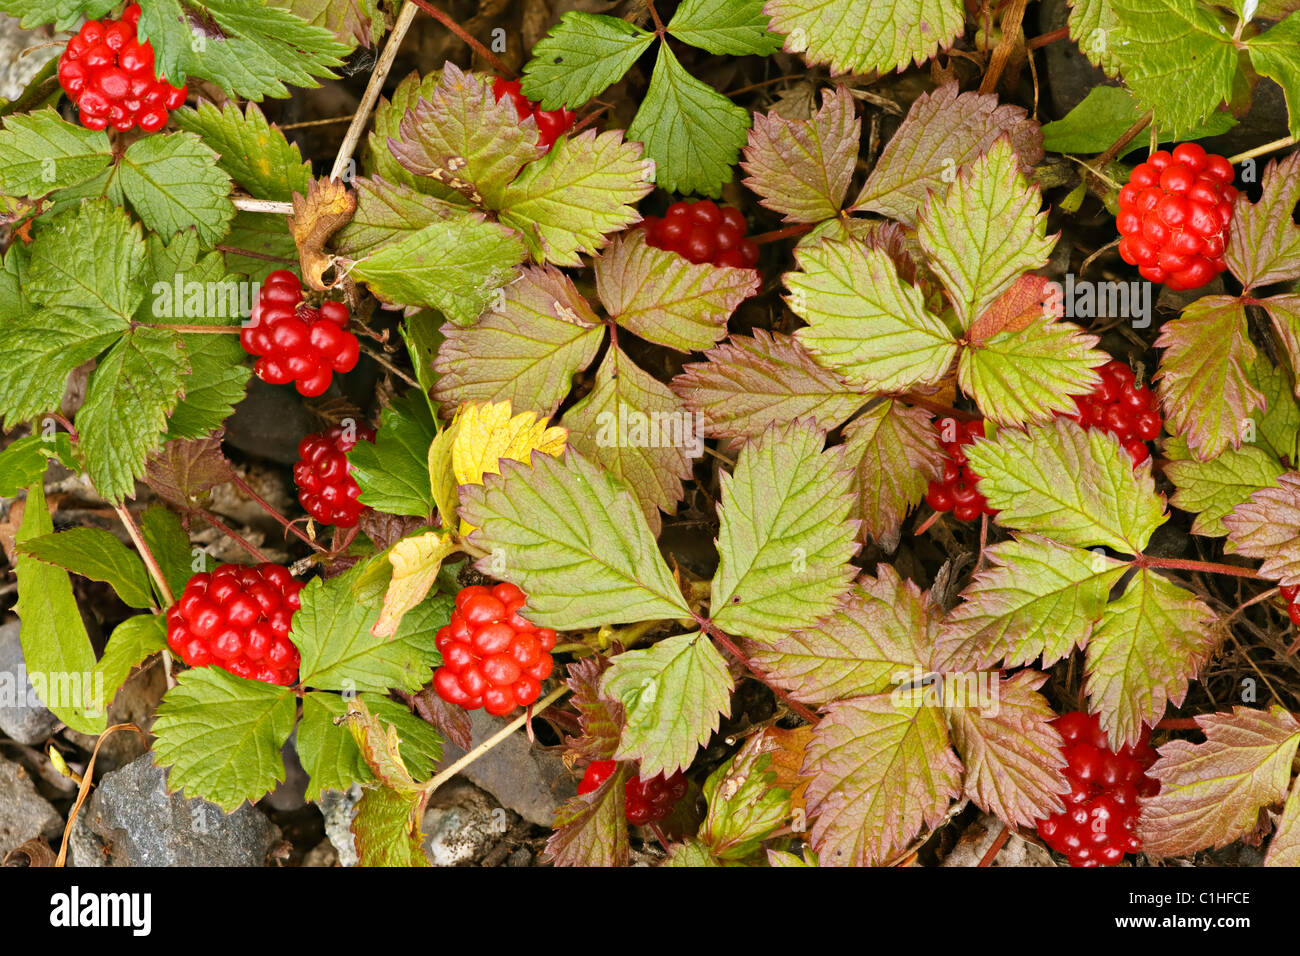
[326, 208]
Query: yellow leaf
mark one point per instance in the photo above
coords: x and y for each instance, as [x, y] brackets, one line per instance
[442, 479]
[487, 433]
[415, 566]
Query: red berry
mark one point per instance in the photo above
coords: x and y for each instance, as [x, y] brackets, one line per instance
[956, 489]
[109, 74]
[1173, 216]
[326, 488]
[297, 343]
[645, 801]
[1289, 594]
[1118, 405]
[238, 617]
[702, 232]
[1102, 806]
[551, 124]
[491, 657]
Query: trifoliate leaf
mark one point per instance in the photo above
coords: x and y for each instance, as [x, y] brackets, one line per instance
[864, 322]
[801, 167]
[41, 351]
[1212, 489]
[662, 297]
[1106, 113]
[525, 350]
[43, 152]
[1176, 57]
[62, 13]
[466, 139]
[352, 21]
[1141, 655]
[416, 562]
[986, 232]
[895, 454]
[1012, 754]
[455, 266]
[590, 829]
[393, 473]
[1284, 848]
[25, 460]
[632, 426]
[221, 736]
[1036, 599]
[53, 636]
[730, 27]
[582, 56]
[786, 538]
[252, 152]
[944, 131]
[577, 195]
[1263, 240]
[673, 695]
[876, 638]
[575, 540]
[1268, 527]
[859, 36]
[488, 433]
[251, 50]
[97, 555]
[88, 257]
[1092, 26]
[1211, 792]
[388, 212]
[132, 643]
[1203, 381]
[745, 803]
[880, 771]
[1074, 486]
[124, 416]
[1275, 53]
[747, 384]
[691, 131]
[383, 830]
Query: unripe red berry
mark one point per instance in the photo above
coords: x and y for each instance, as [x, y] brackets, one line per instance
[551, 124]
[956, 490]
[326, 489]
[644, 801]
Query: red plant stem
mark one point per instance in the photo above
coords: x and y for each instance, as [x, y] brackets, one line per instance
[233, 536]
[927, 524]
[1044, 39]
[798, 229]
[1129, 135]
[1178, 723]
[660, 29]
[711, 629]
[1181, 564]
[460, 31]
[998, 843]
[266, 506]
[659, 835]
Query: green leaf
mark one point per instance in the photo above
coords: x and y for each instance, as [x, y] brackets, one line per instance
[525, 350]
[125, 413]
[590, 829]
[379, 160]
[41, 351]
[731, 27]
[216, 383]
[454, 266]
[1176, 57]
[575, 540]
[691, 131]
[1214, 488]
[1149, 644]
[577, 195]
[1092, 26]
[173, 183]
[864, 322]
[97, 555]
[745, 804]
[690, 853]
[786, 538]
[1263, 240]
[1278, 430]
[394, 471]
[382, 827]
[88, 257]
[250, 49]
[221, 735]
[1035, 599]
[252, 152]
[387, 212]
[55, 645]
[582, 56]
[1275, 53]
[62, 13]
[673, 694]
[25, 460]
[262, 234]
[1074, 486]
[859, 36]
[895, 454]
[132, 643]
[1106, 113]
[986, 232]
[42, 152]
[171, 547]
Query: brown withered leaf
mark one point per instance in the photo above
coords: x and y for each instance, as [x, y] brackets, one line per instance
[184, 470]
[327, 207]
[35, 852]
[600, 720]
[451, 720]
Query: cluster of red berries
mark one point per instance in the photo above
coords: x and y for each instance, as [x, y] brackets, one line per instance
[1289, 594]
[1173, 216]
[703, 232]
[644, 801]
[1121, 407]
[956, 490]
[326, 489]
[110, 76]
[1099, 824]
[491, 657]
[296, 342]
[550, 123]
[238, 618]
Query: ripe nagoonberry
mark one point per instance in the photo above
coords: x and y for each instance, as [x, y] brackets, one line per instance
[703, 232]
[295, 342]
[109, 74]
[239, 618]
[491, 657]
[550, 123]
[644, 801]
[326, 488]
[1289, 594]
[1120, 406]
[1173, 216]
[1099, 824]
[956, 489]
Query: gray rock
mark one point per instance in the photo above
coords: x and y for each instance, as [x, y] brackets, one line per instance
[19, 720]
[339, 808]
[137, 823]
[291, 793]
[269, 423]
[135, 703]
[322, 854]
[461, 824]
[531, 782]
[17, 70]
[24, 813]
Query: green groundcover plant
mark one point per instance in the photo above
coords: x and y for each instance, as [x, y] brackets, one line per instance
[800, 561]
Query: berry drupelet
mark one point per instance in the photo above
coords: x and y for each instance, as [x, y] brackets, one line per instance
[703, 232]
[956, 489]
[644, 801]
[294, 342]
